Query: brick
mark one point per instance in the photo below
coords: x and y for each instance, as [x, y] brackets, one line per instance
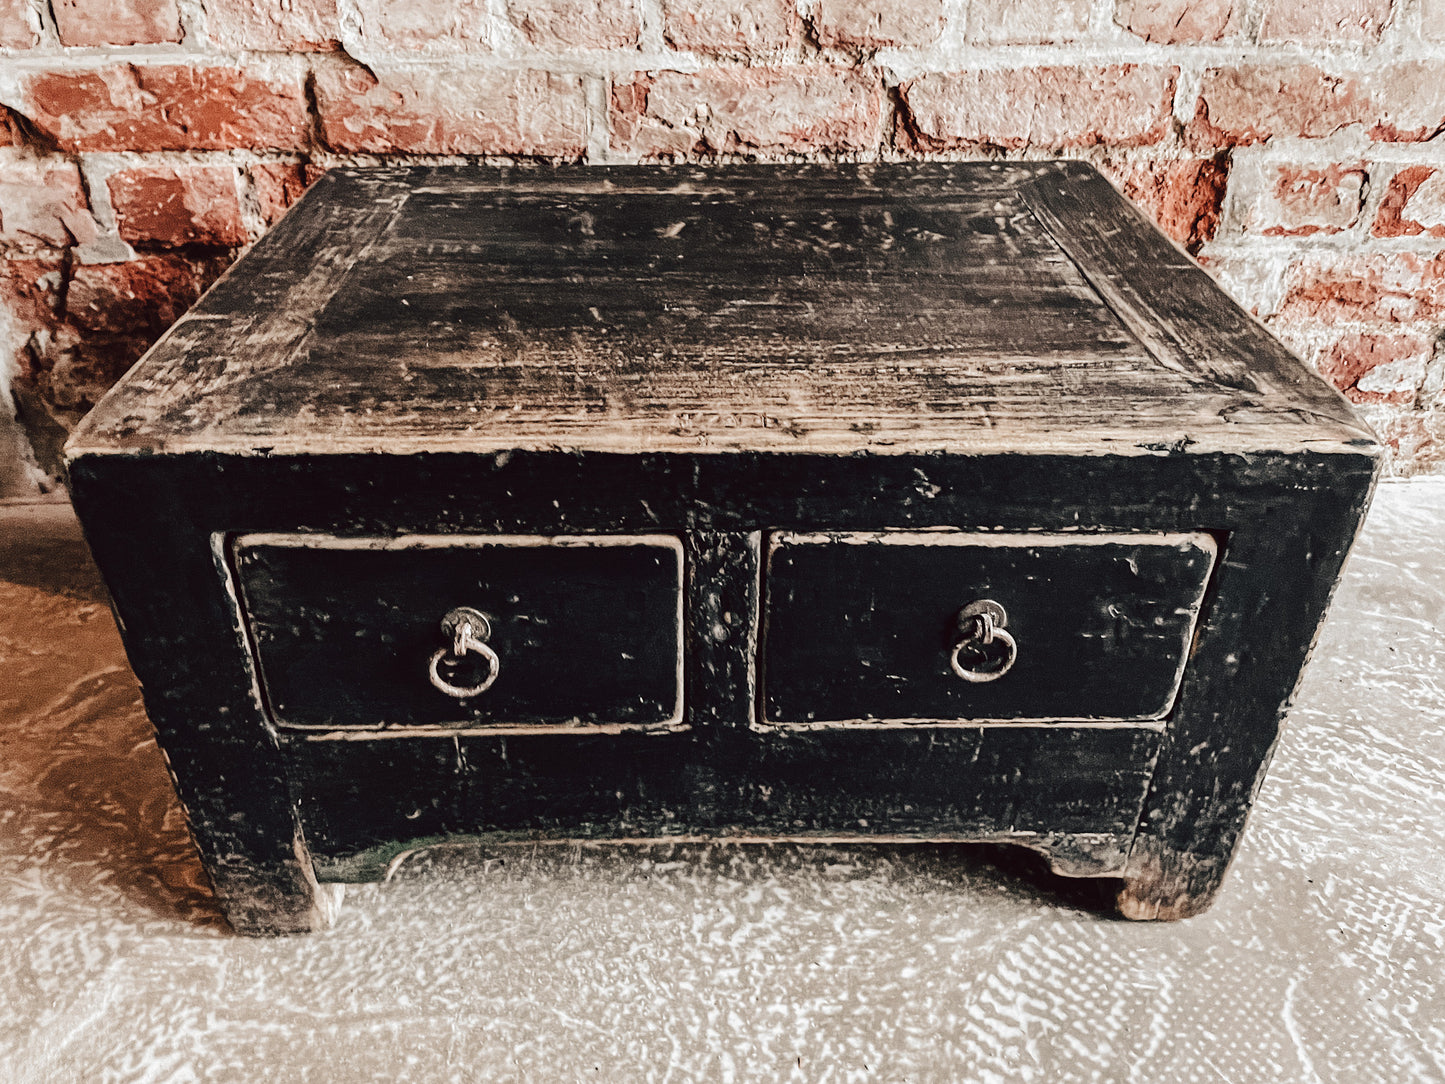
[869, 25]
[11, 134]
[436, 27]
[1297, 200]
[71, 372]
[1410, 101]
[1414, 204]
[1324, 20]
[1399, 287]
[1183, 197]
[30, 295]
[559, 25]
[30, 328]
[31, 289]
[116, 22]
[1027, 22]
[752, 27]
[1255, 278]
[185, 205]
[1122, 105]
[747, 111]
[293, 26]
[1325, 199]
[1432, 20]
[138, 297]
[277, 185]
[69, 357]
[1378, 367]
[453, 112]
[1397, 102]
[1416, 438]
[1175, 22]
[19, 25]
[167, 107]
[42, 203]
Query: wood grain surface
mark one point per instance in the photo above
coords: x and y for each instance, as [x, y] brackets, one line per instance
[940, 307]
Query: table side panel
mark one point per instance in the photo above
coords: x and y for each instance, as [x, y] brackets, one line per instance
[363, 802]
[152, 520]
[1275, 581]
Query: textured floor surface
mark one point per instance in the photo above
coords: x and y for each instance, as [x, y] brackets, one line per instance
[1324, 959]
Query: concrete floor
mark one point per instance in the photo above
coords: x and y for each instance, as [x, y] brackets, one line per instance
[1324, 959]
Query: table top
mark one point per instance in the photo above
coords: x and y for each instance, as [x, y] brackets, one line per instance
[973, 308]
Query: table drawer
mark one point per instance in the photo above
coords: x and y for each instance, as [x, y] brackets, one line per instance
[579, 632]
[867, 628]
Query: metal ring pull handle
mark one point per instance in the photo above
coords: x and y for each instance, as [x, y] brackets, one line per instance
[468, 630]
[981, 627]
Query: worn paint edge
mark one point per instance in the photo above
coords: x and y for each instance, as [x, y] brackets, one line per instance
[1239, 439]
[381, 863]
[401, 730]
[953, 536]
[322, 540]
[241, 627]
[315, 732]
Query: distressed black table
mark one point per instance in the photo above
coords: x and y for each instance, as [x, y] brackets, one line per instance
[933, 502]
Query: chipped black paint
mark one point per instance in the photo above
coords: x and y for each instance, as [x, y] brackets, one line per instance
[859, 627]
[585, 634]
[936, 385]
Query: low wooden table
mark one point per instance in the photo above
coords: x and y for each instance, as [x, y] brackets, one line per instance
[894, 502]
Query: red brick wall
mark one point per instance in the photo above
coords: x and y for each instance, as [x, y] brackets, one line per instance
[1296, 146]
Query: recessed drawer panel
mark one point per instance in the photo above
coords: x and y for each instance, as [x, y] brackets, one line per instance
[559, 632]
[890, 627]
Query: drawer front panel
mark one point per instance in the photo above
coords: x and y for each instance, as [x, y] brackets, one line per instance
[860, 628]
[586, 631]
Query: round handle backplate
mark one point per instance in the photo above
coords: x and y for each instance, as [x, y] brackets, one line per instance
[468, 630]
[984, 651]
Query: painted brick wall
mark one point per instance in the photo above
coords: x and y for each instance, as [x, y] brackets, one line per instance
[1294, 145]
